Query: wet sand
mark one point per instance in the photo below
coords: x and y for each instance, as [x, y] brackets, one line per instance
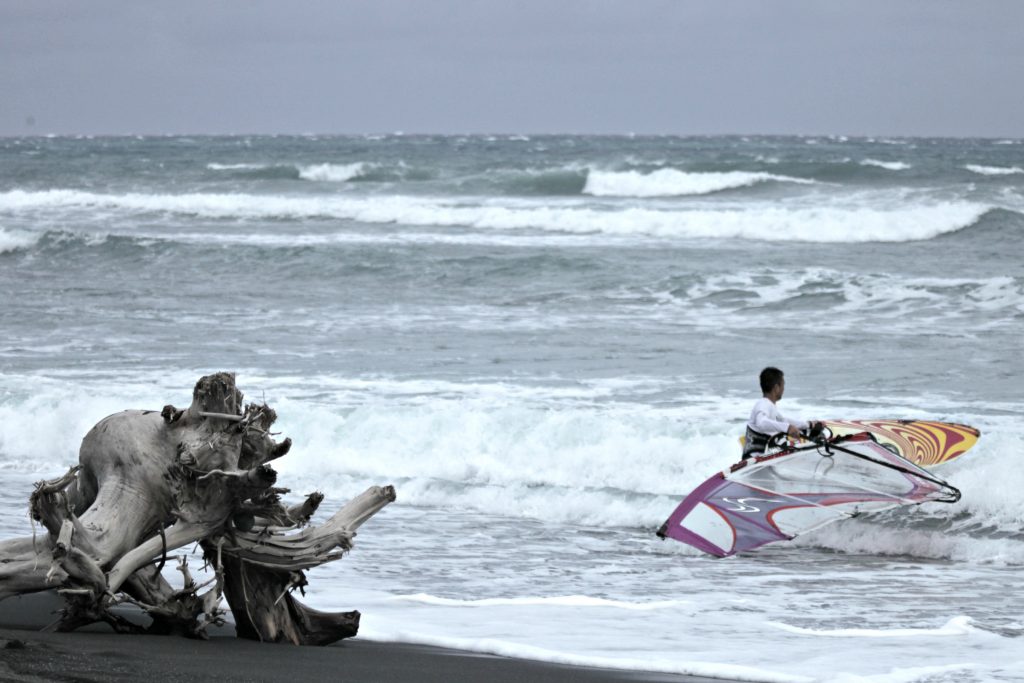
[98, 654]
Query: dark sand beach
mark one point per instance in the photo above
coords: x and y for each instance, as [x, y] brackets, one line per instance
[98, 654]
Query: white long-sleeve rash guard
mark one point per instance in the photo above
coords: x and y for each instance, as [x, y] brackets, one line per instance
[766, 419]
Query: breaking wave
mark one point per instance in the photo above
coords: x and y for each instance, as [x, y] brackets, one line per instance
[668, 182]
[550, 453]
[768, 222]
[335, 173]
[13, 240]
[236, 167]
[994, 170]
[898, 299]
[887, 165]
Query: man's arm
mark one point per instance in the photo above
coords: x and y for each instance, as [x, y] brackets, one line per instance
[764, 423]
[802, 425]
[767, 424]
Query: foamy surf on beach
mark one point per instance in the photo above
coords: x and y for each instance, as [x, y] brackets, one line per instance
[544, 343]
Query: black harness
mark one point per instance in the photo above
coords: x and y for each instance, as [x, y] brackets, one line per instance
[754, 443]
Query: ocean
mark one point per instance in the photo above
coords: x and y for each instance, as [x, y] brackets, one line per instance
[544, 343]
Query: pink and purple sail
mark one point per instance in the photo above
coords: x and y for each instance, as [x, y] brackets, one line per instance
[780, 496]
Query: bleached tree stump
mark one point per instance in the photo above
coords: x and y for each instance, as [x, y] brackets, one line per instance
[148, 483]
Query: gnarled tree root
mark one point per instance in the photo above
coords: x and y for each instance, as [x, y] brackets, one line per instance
[151, 482]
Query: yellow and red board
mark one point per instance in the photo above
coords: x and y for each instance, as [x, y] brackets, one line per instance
[925, 443]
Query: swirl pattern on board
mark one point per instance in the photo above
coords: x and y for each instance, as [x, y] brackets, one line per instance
[923, 442]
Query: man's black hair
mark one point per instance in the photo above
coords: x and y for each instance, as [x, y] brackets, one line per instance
[770, 377]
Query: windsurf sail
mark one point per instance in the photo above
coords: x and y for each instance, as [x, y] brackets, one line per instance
[779, 496]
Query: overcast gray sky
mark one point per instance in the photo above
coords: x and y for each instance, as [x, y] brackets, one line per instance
[856, 67]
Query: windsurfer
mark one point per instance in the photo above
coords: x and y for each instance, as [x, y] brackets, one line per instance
[765, 419]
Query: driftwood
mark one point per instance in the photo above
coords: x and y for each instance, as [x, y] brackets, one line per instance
[148, 483]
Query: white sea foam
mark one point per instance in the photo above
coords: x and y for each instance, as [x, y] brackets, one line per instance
[552, 453]
[326, 172]
[994, 170]
[832, 224]
[903, 300]
[957, 626]
[668, 182]
[710, 626]
[478, 455]
[501, 239]
[948, 672]
[474, 462]
[558, 600]
[335, 173]
[887, 165]
[651, 641]
[988, 477]
[11, 240]
[48, 418]
[237, 167]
